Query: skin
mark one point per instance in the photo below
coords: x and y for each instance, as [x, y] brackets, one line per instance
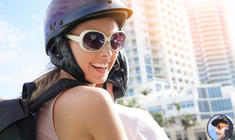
[86, 112]
[220, 133]
[104, 56]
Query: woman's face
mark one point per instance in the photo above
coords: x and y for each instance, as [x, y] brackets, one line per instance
[95, 65]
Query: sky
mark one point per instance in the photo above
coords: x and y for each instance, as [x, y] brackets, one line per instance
[22, 54]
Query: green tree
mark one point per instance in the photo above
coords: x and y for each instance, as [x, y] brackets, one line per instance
[131, 102]
[146, 91]
[185, 120]
[159, 118]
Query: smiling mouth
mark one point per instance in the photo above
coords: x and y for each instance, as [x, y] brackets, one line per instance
[100, 67]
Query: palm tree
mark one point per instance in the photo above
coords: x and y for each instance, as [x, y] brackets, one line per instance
[132, 102]
[186, 120]
[146, 91]
[159, 118]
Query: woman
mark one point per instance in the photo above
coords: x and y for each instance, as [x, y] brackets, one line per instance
[83, 39]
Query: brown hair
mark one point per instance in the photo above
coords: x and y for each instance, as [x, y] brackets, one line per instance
[45, 81]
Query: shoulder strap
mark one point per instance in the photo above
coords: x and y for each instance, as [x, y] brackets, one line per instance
[28, 89]
[53, 91]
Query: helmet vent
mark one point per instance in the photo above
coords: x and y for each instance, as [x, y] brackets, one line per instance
[109, 1]
[61, 22]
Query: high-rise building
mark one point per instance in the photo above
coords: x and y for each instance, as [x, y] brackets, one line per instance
[159, 46]
[212, 45]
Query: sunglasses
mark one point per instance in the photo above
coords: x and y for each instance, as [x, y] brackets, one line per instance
[93, 41]
[221, 125]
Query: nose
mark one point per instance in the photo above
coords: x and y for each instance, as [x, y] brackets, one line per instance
[106, 51]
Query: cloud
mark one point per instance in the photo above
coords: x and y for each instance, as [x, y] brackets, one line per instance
[22, 58]
[10, 36]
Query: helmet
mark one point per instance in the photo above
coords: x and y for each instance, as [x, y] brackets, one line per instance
[63, 15]
[223, 119]
[119, 76]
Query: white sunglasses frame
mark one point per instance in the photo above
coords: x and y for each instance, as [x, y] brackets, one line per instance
[79, 39]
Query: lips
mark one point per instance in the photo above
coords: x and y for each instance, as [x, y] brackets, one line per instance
[101, 67]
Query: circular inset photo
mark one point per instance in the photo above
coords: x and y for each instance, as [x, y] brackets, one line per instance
[220, 127]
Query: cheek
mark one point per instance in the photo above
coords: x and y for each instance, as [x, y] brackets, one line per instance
[82, 58]
[114, 57]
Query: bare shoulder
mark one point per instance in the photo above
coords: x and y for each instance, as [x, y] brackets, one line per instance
[83, 94]
[80, 108]
[82, 98]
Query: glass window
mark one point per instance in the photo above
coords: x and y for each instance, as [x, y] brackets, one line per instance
[158, 87]
[203, 106]
[136, 60]
[131, 82]
[221, 105]
[202, 93]
[131, 92]
[135, 51]
[205, 116]
[150, 77]
[147, 60]
[167, 86]
[137, 70]
[138, 79]
[169, 106]
[214, 92]
[149, 69]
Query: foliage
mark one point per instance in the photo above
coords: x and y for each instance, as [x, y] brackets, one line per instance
[188, 121]
[159, 118]
[132, 102]
[146, 91]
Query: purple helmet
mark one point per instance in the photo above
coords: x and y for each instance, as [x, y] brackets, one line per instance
[64, 15]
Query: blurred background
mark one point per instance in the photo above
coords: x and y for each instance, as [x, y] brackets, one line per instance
[180, 54]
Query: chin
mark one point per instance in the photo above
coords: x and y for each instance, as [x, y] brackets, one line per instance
[98, 80]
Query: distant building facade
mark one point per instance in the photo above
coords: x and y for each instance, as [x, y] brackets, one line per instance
[211, 41]
[159, 45]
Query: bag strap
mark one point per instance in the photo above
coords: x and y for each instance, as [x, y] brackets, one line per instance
[28, 89]
[53, 91]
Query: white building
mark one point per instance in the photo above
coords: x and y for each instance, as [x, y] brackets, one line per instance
[211, 39]
[159, 45]
[201, 102]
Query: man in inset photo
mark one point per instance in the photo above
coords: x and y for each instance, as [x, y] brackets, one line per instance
[221, 124]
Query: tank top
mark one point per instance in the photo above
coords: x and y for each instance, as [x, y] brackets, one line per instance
[45, 124]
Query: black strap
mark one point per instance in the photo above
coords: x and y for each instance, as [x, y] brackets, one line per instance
[28, 89]
[53, 91]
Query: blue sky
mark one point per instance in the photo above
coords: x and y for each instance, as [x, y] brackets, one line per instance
[22, 55]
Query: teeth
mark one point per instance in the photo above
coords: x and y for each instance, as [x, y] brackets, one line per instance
[100, 65]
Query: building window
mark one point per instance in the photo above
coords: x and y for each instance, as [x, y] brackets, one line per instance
[131, 82]
[138, 79]
[158, 87]
[137, 70]
[167, 86]
[131, 92]
[135, 51]
[221, 105]
[147, 60]
[205, 116]
[136, 60]
[214, 92]
[169, 106]
[150, 77]
[203, 106]
[149, 69]
[202, 93]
